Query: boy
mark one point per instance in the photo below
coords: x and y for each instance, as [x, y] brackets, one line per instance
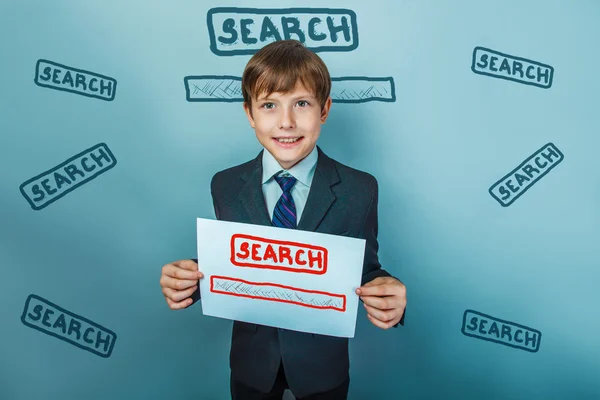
[293, 184]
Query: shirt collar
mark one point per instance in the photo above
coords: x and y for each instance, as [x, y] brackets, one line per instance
[303, 171]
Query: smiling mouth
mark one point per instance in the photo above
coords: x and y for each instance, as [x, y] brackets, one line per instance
[288, 140]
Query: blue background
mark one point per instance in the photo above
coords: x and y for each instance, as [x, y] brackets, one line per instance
[435, 151]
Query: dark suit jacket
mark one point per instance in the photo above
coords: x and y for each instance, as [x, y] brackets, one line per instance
[341, 201]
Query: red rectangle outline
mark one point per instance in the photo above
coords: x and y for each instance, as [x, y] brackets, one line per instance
[212, 289]
[277, 267]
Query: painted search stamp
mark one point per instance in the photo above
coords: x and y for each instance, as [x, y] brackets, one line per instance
[49, 74]
[240, 31]
[493, 63]
[51, 185]
[500, 331]
[519, 180]
[53, 320]
[258, 252]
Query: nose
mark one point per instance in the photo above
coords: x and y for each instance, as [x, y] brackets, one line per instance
[286, 119]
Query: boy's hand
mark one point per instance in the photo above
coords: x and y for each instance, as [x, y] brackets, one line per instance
[384, 299]
[179, 280]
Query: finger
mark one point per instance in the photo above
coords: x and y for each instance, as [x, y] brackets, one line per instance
[179, 295]
[189, 265]
[383, 316]
[382, 303]
[177, 284]
[174, 271]
[179, 305]
[374, 282]
[380, 324]
[386, 289]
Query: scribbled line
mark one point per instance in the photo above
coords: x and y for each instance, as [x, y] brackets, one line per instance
[243, 31]
[360, 89]
[275, 292]
[51, 185]
[351, 89]
[485, 327]
[258, 252]
[223, 88]
[47, 317]
[517, 69]
[50, 74]
[526, 174]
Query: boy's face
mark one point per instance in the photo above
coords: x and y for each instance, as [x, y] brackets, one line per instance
[288, 124]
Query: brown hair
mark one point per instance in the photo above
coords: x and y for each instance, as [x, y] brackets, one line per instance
[278, 66]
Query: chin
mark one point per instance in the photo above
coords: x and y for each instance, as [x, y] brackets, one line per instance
[290, 159]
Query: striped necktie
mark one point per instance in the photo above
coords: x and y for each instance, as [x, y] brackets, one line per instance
[284, 215]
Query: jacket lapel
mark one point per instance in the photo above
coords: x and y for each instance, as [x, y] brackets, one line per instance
[320, 198]
[251, 195]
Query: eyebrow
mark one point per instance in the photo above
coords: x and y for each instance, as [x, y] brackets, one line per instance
[302, 96]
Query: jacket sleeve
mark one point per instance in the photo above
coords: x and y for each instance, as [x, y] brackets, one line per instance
[196, 295]
[369, 231]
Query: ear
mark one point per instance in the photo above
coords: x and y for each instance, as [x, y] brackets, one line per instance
[248, 110]
[325, 110]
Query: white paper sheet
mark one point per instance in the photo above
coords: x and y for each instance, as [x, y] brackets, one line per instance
[286, 278]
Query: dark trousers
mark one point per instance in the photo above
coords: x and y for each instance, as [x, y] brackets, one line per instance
[239, 391]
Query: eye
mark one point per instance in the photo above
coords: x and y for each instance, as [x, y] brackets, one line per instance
[268, 106]
[303, 103]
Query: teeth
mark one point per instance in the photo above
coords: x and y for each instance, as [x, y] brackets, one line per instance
[287, 140]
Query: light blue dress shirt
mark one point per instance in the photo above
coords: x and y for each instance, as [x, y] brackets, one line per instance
[304, 172]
